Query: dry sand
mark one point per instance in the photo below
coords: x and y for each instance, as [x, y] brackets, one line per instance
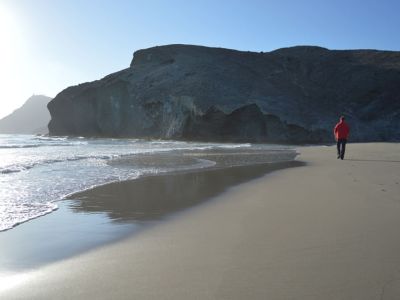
[327, 230]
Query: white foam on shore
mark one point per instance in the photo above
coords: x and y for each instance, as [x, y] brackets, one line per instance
[35, 172]
[32, 212]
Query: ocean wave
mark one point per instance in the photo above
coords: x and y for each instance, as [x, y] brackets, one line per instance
[16, 146]
[20, 167]
[47, 138]
[10, 170]
[166, 146]
[31, 211]
[234, 146]
[19, 146]
[27, 166]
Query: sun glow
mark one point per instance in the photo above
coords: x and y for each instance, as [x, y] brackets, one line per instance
[9, 36]
[10, 57]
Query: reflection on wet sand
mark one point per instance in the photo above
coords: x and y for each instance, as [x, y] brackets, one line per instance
[150, 198]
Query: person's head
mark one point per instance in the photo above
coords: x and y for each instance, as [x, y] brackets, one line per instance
[341, 118]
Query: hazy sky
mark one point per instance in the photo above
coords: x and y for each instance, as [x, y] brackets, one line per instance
[48, 45]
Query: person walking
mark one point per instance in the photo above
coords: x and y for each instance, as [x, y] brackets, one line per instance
[341, 132]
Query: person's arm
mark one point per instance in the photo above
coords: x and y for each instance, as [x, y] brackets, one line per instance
[335, 131]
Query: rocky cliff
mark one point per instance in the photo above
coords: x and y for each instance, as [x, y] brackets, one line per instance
[31, 118]
[290, 95]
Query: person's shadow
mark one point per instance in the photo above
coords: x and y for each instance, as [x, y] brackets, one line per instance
[378, 160]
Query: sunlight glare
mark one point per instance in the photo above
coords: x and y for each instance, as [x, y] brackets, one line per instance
[9, 281]
[11, 50]
[9, 36]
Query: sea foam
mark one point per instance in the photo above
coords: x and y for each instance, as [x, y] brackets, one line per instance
[36, 172]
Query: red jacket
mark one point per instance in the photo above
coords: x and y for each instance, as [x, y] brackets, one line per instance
[341, 130]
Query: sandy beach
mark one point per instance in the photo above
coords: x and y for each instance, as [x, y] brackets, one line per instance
[326, 229]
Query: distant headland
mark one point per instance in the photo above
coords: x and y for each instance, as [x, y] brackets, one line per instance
[31, 118]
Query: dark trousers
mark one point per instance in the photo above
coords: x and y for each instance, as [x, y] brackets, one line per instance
[341, 147]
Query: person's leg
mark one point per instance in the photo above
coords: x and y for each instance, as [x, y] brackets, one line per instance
[343, 142]
[338, 148]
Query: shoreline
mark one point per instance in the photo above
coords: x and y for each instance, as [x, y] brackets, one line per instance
[325, 230]
[155, 197]
[54, 173]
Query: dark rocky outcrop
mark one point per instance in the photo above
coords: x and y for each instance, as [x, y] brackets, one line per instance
[245, 124]
[291, 95]
[31, 118]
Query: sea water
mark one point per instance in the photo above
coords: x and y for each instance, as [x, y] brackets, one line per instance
[38, 171]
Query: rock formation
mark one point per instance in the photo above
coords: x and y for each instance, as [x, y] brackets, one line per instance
[31, 118]
[290, 95]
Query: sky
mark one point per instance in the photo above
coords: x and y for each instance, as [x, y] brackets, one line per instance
[48, 45]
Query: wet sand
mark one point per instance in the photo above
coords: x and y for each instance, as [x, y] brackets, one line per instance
[326, 230]
[155, 197]
[112, 212]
